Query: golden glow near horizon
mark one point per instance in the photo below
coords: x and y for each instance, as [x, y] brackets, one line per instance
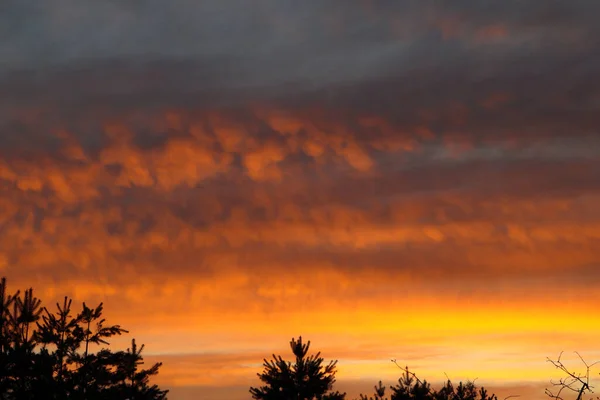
[425, 193]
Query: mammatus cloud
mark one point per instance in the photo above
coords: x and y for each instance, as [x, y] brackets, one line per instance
[296, 168]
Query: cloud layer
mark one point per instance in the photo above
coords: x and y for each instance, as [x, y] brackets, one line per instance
[209, 168]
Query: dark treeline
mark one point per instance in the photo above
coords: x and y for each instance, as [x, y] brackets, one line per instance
[49, 355]
[308, 378]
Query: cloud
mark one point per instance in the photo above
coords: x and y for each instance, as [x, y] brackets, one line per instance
[328, 167]
[210, 192]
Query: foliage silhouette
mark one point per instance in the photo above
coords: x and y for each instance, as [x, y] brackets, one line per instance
[409, 387]
[45, 355]
[306, 379]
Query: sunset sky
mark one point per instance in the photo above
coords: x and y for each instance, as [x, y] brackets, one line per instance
[410, 180]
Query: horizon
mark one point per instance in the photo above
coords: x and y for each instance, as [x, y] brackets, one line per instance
[391, 180]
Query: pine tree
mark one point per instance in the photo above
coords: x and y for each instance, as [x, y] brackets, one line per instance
[17, 359]
[136, 381]
[46, 355]
[88, 366]
[6, 336]
[411, 388]
[379, 393]
[306, 379]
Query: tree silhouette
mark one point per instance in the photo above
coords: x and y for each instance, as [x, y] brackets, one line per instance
[410, 387]
[20, 367]
[136, 381]
[306, 379]
[45, 355]
[573, 382]
[379, 393]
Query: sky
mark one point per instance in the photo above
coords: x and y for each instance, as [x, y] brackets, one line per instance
[409, 180]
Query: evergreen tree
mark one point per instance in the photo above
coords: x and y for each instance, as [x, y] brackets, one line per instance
[17, 359]
[46, 355]
[379, 393]
[136, 381]
[409, 387]
[306, 379]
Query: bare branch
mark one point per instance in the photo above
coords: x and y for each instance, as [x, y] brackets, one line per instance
[575, 382]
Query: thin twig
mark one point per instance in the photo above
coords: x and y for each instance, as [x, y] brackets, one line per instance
[572, 379]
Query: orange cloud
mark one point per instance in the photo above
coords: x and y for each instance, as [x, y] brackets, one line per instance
[234, 231]
[491, 33]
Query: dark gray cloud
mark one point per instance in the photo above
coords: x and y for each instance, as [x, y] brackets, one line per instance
[490, 72]
[185, 50]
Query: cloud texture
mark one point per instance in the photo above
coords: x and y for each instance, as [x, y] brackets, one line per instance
[226, 176]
